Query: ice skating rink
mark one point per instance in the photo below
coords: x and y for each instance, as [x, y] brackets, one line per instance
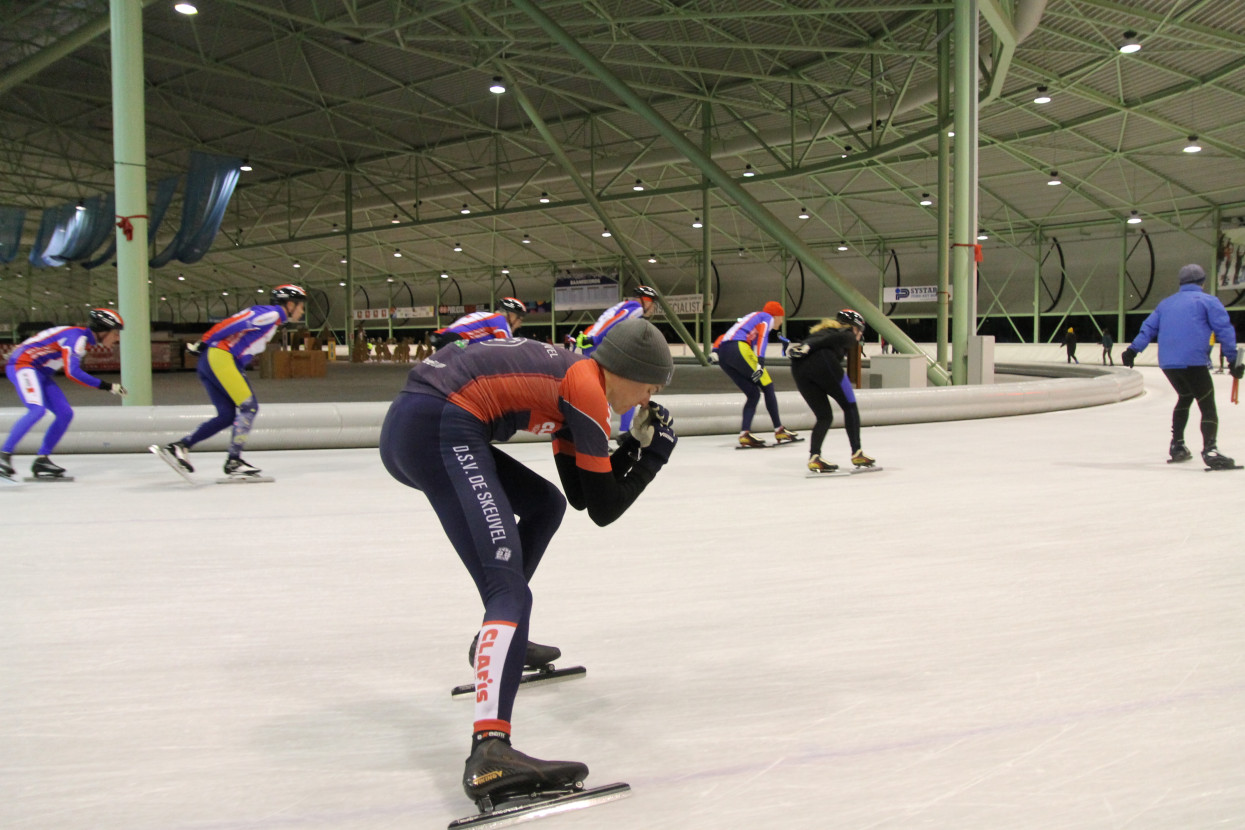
[1022, 623]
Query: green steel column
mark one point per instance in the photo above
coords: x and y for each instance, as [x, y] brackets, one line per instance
[129, 140]
[706, 238]
[1121, 279]
[1037, 289]
[349, 339]
[964, 233]
[748, 205]
[944, 188]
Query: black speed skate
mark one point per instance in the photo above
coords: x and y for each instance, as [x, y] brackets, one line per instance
[1179, 452]
[1215, 461]
[6, 466]
[44, 467]
[536, 657]
[496, 772]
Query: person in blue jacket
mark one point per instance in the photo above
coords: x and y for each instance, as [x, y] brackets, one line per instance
[1182, 325]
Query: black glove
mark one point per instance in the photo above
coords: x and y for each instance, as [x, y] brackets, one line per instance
[1238, 370]
[797, 351]
[1128, 357]
[657, 453]
[195, 348]
[646, 421]
[114, 388]
[756, 375]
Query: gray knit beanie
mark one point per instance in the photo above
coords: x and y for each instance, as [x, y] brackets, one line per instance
[1192, 273]
[635, 349]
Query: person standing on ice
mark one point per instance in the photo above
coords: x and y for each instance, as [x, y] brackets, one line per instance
[1182, 325]
[741, 354]
[31, 367]
[500, 516]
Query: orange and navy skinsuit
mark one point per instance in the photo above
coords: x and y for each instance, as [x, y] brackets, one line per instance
[499, 515]
[609, 318]
[30, 369]
[474, 327]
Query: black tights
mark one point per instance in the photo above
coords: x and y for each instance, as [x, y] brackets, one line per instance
[1190, 383]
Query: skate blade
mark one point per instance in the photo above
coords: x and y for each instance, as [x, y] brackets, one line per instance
[539, 806]
[842, 473]
[539, 677]
[47, 479]
[785, 443]
[1223, 469]
[164, 455]
[246, 479]
[754, 447]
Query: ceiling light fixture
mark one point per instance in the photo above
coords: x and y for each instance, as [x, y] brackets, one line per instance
[497, 87]
[296, 265]
[444, 276]
[1054, 178]
[1042, 97]
[1193, 146]
[527, 240]
[803, 213]
[748, 171]
[81, 205]
[458, 247]
[638, 186]
[926, 201]
[505, 270]
[606, 233]
[343, 260]
[982, 236]
[397, 253]
[464, 210]
[1134, 219]
[544, 198]
[842, 246]
[342, 284]
[246, 166]
[1130, 44]
[652, 258]
[395, 220]
[696, 223]
[185, 8]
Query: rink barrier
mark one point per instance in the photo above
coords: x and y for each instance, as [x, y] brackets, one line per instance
[297, 426]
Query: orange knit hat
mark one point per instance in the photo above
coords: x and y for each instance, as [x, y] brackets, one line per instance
[774, 309]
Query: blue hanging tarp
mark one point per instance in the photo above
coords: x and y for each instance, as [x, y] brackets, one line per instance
[209, 185]
[165, 189]
[11, 221]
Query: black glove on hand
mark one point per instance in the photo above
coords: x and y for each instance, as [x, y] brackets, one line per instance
[1128, 357]
[195, 348]
[657, 453]
[797, 351]
[1238, 370]
[647, 420]
[756, 375]
[114, 388]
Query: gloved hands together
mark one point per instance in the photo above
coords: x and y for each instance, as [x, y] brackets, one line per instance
[756, 375]
[646, 422]
[1128, 357]
[195, 348]
[116, 389]
[797, 351]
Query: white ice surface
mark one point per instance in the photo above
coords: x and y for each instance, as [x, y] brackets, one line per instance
[1028, 622]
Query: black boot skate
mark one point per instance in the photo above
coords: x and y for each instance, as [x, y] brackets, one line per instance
[1179, 452]
[237, 468]
[536, 657]
[496, 772]
[45, 468]
[1215, 461]
[181, 454]
[6, 466]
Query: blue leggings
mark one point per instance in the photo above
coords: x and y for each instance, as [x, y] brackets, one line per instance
[52, 398]
[231, 395]
[498, 514]
[738, 370]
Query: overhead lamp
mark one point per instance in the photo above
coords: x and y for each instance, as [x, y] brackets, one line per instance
[926, 201]
[343, 260]
[741, 251]
[81, 205]
[652, 258]
[257, 291]
[696, 223]
[1054, 178]
[444, 276]
[296, 265]
[1042, 97]
[982, 236]
[185, 8]
[335, 228]
[181, 277]
[505, 270]
[464, 210]
[803, 213]
[950, 133]
[842, 246]
[527, 240]
[1193, 146]
[638, 186]
[544, 198]
[497, 87]
[397, 253]
[748, 171]
[458, 247]
[246, 166]
[395, 220]
[224, 293]
[342, 284]
[1133, 218]
[1130, 43]
[606, 233]
[389, 279]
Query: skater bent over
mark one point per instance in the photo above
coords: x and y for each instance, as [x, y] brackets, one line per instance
[741, 354]
[500, 516]
[31, 368]
[817, 367]
[483, 325]
[1182, 324]
[224, 353]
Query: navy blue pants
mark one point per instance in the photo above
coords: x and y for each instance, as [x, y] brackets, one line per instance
[1193, 383]
[738, 370]
[499, 515]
